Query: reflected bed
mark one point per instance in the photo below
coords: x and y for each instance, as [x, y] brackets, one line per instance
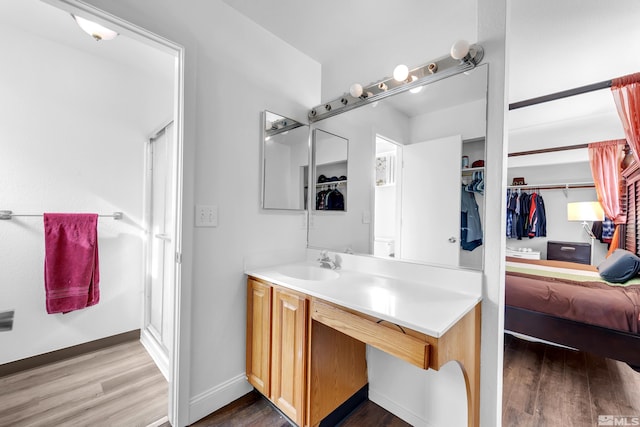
[569, 304]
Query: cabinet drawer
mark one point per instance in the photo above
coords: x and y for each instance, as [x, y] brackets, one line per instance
[395, 342]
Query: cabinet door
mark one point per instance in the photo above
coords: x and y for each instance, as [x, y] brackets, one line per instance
[259, 335]
[288, 352]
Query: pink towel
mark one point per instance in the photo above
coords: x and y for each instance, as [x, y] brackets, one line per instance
[71, 273]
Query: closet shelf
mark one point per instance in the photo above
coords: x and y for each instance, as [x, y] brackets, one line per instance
[466, 171]
[328, 183]
[555, 186]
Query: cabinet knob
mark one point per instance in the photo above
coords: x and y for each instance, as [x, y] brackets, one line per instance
[452, 239]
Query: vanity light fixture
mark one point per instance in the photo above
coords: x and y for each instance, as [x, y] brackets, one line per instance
[281, 126]
[95, 30]
[463, 57]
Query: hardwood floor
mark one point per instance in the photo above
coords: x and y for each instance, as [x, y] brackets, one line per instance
[550, 386]
[120, 386]
[116, 386]
[543, 386]
[253, 410]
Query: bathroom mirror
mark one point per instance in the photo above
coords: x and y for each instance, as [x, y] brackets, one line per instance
[285, 160]
[330, 161]
[407, 174]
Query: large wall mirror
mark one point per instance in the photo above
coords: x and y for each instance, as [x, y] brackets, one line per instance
[415, 175]
[285, 162]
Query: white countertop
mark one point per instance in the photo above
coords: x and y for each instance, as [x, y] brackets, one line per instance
[418, 304]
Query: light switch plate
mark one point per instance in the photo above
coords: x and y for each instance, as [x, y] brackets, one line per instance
[206, 216]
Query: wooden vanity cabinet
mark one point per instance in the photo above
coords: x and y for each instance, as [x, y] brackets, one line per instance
[288, 352]
[305, 368]
[277, 345]
[259, 335]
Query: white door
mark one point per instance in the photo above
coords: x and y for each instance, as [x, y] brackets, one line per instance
[161, 248]
[430, 230]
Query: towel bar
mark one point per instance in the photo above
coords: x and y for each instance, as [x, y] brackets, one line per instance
[9, 215]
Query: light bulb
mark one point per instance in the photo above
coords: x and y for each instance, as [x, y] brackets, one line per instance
[460, 49]
[400, 73]
[415, 89]
[356, 90]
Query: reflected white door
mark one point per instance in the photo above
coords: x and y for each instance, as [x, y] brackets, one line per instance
[430, 230]
[161, 246]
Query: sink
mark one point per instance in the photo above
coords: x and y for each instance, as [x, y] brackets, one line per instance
[308, 272]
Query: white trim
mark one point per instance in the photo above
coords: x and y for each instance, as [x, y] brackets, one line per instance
[397, 409]
[158, 423]
[156, 351]
[215, 398]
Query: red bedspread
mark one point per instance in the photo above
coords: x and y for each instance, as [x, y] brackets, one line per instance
[588, 302]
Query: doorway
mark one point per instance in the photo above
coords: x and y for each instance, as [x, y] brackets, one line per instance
[386, 232]
[161, 324]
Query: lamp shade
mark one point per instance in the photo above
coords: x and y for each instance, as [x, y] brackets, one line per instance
[585, 211]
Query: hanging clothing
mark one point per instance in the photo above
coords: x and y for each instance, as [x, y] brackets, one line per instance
[329, 200]
[537, 217]
[470, 224]
[334, 200]
[522, 215]
[526, 215]
[603, 230]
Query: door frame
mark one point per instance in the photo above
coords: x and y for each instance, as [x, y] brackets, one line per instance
[398, 183]
[178, 405]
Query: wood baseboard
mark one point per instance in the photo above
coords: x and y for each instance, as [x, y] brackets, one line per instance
[66, 353]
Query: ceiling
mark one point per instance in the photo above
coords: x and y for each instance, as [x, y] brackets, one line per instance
[554, 45]
[43, 20]
[328, 29]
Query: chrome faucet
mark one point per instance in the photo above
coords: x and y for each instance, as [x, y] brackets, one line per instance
[326, 261]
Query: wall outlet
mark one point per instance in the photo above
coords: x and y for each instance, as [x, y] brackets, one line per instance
[206, 216]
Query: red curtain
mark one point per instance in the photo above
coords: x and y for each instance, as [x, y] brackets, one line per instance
[605, 158]
[626, 94]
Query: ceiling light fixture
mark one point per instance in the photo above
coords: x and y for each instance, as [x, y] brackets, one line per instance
[463, 57]
[95, 30]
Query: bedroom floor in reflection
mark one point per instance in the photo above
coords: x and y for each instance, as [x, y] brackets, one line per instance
[550, 386]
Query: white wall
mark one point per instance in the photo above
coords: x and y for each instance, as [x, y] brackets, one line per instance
[467, 120]
[73, 129]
